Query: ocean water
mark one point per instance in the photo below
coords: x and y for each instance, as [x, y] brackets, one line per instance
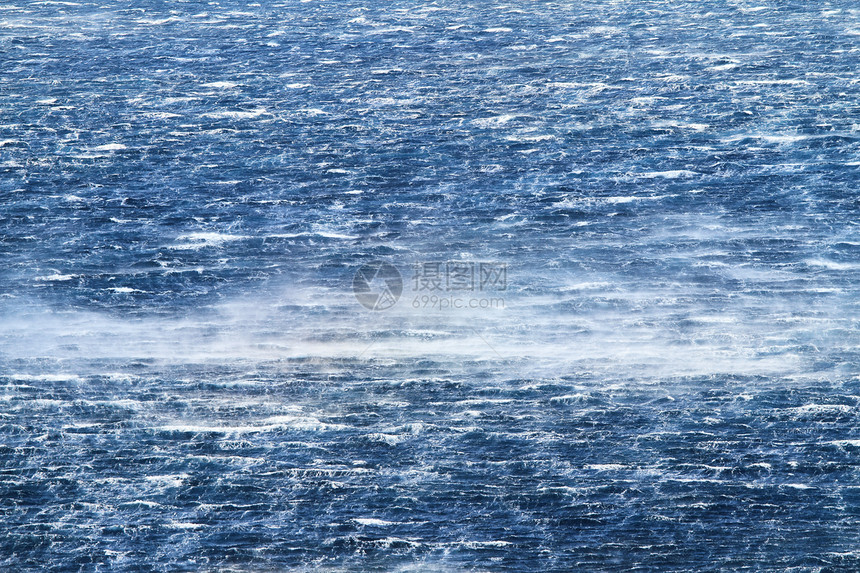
[445, 286]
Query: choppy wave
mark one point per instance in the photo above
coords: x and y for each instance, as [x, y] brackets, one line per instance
[667, 381]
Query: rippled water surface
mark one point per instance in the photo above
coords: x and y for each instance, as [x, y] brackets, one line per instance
[666, 379]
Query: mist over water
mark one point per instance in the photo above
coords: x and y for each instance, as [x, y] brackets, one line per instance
[667, 378]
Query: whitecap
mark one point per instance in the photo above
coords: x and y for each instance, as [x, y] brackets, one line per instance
[45, 377]
[200, 240]
[184, 525]
[301, 423]
[853, 443]
[772, 82]
[671, 174]
[832, 265]
[235, 114]
[161, 115]
[374, 522]
[722, 67]
[222, 85]
[480, 544]
[158, 22]
[531, 138]
[110, 147]
[822, 408]
[325, 234]
[569, 398]
[496, 121]
[681, 125]
[390, 439]
[170, 480]
[605, 467]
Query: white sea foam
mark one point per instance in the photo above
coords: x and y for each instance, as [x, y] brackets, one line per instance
[390, 439]
[158, 21]
[184, 525]
[200, 240]
[570, 398]
[220, 85]
[722, 67]
[298, 423]
[493, 122]
[842, 443]
[375, 522]
[55, 277]
[236, 114]
[161, 115]
[45, 377]
[768, 138]
[110, 147]
[144, 502]
[324, 234]
[633, 198]
[167, 480]
[178, 99]
[682, 125]
[480, 544]
[832, 265]
[671, 174]
[823, 409]
[774, 82]
[531, 137]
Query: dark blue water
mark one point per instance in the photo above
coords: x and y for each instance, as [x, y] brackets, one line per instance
[641, 217]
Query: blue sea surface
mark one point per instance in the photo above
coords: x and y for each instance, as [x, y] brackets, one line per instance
[625, 332]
